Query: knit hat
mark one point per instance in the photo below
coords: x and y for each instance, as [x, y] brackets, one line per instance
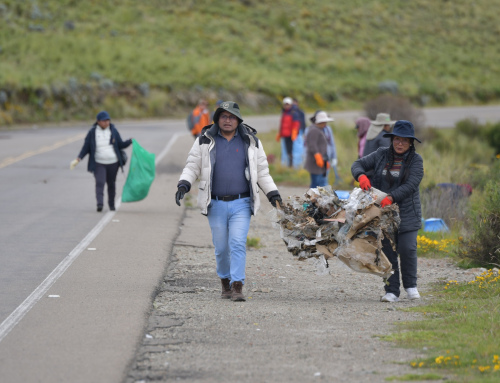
[101, 116]
[403, 128]
[228, 106]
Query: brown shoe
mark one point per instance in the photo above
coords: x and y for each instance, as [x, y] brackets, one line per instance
[237, 295]
[226, 289]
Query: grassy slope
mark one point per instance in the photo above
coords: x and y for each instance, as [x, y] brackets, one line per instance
[319, 50]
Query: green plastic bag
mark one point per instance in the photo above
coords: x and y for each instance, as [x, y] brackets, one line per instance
[140, 175]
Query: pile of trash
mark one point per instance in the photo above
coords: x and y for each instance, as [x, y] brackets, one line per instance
[320, 224]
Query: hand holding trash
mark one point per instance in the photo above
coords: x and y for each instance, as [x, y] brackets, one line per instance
[276, 198]
[73, 163]
[364, 182]
[334, 162]
[385, 202]
[181, 190]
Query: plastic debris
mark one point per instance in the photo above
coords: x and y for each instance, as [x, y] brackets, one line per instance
[435, 224]
[323, 226]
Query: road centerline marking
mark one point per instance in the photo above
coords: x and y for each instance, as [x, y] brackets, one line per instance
[44, 149]
[15, 317]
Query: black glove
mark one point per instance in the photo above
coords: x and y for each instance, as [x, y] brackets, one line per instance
[179, 195]
[275, 198]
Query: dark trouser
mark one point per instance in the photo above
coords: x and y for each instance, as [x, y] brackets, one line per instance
[407, 250]
[105, 174]
[289, 149]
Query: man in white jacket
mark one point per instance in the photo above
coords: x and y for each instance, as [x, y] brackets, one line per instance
[231, 165]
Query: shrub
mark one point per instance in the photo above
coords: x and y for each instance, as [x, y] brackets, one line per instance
[446, 203]
[469, 127]
[483, 242]
[399, 108]
[493, 137]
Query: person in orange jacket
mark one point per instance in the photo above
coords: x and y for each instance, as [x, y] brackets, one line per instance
[200, 118]
[289, 129]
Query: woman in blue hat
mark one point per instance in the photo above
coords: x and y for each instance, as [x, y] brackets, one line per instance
[104, 146]
[398, 171]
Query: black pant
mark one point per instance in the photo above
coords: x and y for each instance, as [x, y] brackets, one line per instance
[407, 250]
[105, 174]
[289, 150]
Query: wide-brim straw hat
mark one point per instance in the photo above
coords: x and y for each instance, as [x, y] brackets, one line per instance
[383, 119]
[323, 117]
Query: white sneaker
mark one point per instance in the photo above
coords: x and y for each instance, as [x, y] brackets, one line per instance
[389, 297]
[412, 293]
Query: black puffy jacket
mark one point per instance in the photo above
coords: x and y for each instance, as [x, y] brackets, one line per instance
[404, 191]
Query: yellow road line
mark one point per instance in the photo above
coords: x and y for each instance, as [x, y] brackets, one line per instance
[12, 160]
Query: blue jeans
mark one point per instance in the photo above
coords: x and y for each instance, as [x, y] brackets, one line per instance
[407, 250]
[230, 222]
[318, 180]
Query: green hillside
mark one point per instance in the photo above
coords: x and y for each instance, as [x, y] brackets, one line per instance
[63, 58]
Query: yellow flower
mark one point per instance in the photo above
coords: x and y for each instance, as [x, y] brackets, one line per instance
[422, 363]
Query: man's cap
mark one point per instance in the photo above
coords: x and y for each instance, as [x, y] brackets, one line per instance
[287, 100]
[103, 115]
[228, 106]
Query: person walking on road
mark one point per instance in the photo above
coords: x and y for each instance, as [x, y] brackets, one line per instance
[317, 162]
[289, 130]
[398, 171]
[362, 126]
[200, 117]
[375, 137]
[104, 146]
[231, 165]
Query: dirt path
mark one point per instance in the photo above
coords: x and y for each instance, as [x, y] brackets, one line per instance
[295, 326]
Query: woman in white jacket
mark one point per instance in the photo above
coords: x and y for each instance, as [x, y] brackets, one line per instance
[231, 165]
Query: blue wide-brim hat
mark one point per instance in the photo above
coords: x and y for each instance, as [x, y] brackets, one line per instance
[403, 128]
[101, 116]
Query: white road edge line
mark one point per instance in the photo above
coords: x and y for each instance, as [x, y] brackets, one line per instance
[13, 319]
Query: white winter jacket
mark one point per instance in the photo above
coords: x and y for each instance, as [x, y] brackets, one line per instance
[202, 156]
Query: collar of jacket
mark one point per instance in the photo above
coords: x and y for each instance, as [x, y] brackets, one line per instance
[111, 127]
[243, 129]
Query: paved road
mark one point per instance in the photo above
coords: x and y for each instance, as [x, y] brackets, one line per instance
[46, 213]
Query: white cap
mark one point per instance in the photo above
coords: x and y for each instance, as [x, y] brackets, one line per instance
[322, 117]
[287, 100]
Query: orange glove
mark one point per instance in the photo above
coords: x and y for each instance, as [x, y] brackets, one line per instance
[319, 160]
[364, 182]
[295, 133]
[278, 137]
[385, 202]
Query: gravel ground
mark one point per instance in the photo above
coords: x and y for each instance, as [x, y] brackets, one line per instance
[295, 326]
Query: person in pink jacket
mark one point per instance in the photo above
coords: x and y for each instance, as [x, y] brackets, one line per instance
[362, 125]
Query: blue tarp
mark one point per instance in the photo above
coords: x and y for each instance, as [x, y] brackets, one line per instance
[435, 224]
[342, 194]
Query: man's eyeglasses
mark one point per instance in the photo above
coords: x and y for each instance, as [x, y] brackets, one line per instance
[229, 117]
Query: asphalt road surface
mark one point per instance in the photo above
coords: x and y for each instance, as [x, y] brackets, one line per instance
[48, 219]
